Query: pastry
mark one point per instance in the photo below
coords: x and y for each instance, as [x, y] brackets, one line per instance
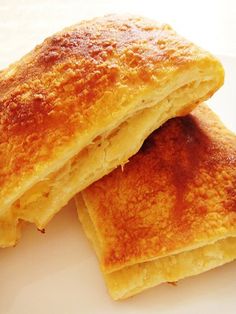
[113, 79]
[170, 212]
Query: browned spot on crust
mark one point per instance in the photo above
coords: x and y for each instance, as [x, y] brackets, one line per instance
[42, 230]
[173, 283]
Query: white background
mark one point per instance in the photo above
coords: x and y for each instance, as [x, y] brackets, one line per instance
[24, 23]
[57, 272]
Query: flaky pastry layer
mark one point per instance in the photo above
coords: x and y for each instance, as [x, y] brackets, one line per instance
[74, 89]
[107, 152]
[175, 197]
[136, 278]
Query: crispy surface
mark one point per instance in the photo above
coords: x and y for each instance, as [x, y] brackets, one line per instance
[58, 97]
[177, 193]
[133, 279]
[39, 203]
[136, 278]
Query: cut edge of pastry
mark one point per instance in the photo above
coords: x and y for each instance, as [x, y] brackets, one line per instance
[170, 269]
[40, 202]
[133, 279]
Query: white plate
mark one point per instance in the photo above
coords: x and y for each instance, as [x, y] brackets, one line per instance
[57, 272]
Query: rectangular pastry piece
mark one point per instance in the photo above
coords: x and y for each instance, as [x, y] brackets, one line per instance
[170, 212]
[82, 103]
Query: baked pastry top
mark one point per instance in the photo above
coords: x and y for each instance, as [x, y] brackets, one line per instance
[75, 89]
[169, 212]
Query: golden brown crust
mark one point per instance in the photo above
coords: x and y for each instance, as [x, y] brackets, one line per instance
[77, 85]
[177, 193]
[133, 279]
[78, 80]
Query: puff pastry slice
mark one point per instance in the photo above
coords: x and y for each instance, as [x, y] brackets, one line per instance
[111, 79]
[170, 212]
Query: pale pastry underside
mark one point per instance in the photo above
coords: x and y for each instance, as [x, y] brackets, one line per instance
[133, 279]
[104, 152]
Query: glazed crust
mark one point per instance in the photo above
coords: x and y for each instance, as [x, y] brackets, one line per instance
[64, 92]
[176, 194]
